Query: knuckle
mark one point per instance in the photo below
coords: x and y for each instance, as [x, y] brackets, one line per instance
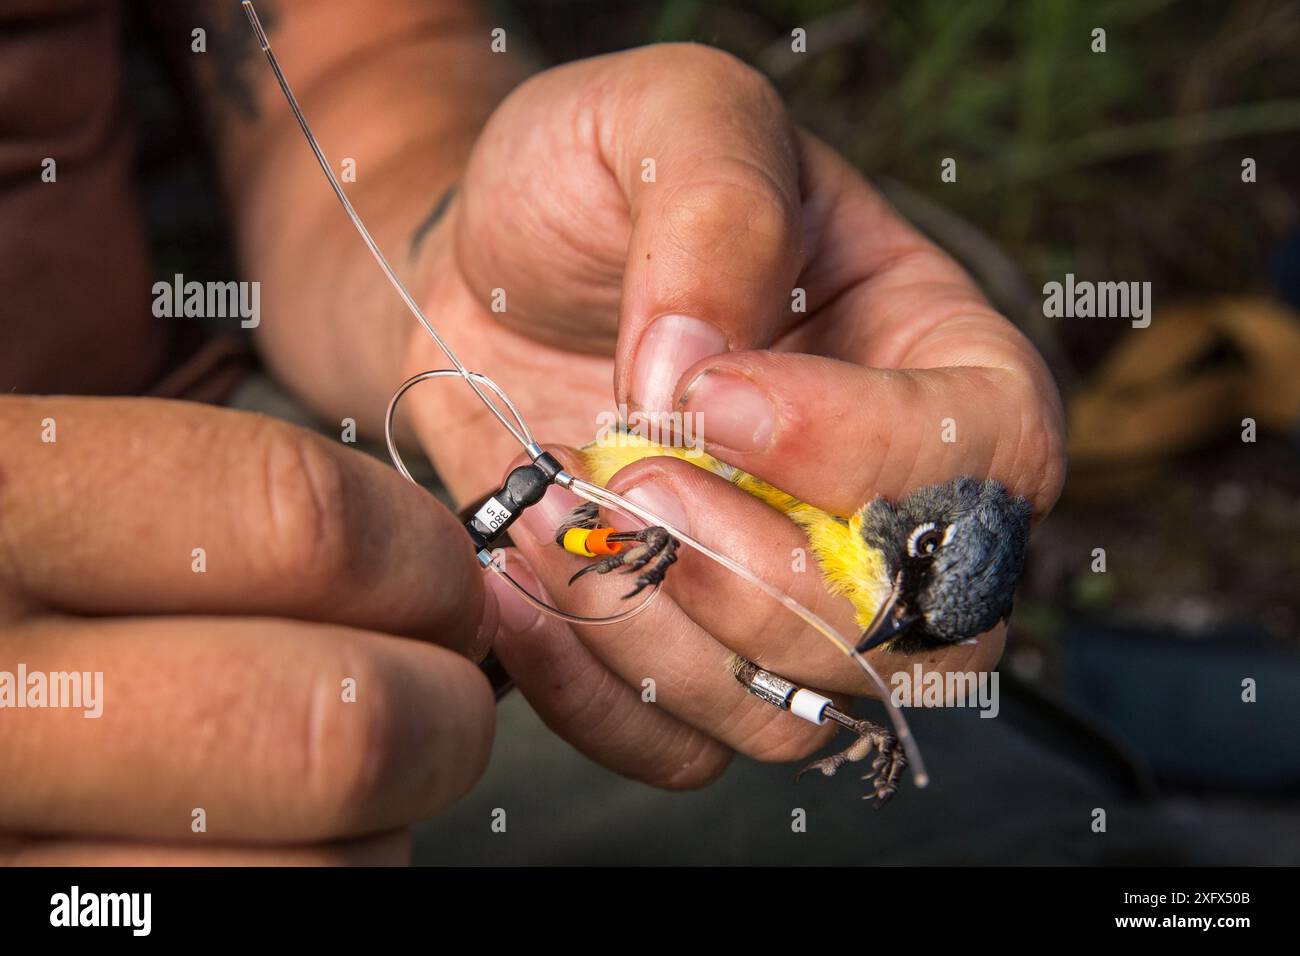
[1052, 470]
[1042, 453]
[303, 496]
[347, 748]
[1055, 459]
[734, 210]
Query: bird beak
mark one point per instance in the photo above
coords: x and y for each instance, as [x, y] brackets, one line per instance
[890, 621]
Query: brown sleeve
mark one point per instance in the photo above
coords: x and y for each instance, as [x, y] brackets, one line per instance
[75, 289]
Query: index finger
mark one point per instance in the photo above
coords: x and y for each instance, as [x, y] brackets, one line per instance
[152, 507]
[716, 235]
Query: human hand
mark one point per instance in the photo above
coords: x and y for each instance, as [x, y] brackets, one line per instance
[227, 690]
[679, 292]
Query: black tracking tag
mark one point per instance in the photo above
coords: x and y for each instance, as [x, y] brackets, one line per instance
[523, 487]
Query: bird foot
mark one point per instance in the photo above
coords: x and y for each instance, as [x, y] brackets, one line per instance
[652, 551]
[888, 766]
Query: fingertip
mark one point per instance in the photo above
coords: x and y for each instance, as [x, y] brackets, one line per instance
[667, 348]
[517, 615]
[489, 623]
[733, 410]
[414, 738]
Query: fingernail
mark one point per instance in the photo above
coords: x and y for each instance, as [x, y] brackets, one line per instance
[517, 615]
[488, 624]
[540, 520]
[656, 497]
[671, 345]
[733, 411]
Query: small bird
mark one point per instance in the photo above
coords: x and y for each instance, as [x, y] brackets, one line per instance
[937, 567]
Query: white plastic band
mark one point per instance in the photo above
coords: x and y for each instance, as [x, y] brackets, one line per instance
[809, 706]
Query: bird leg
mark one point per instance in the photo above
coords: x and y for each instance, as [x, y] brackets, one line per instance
[885, 769]
[653, 550]
[812, 706]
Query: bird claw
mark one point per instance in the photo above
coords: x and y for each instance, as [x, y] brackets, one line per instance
[888, 766]
[655, 551]
[891, 760]
[826, 766]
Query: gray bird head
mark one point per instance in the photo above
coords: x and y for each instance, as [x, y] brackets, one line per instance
[954, 553]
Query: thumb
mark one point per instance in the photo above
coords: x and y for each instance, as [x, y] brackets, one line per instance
[710, 170]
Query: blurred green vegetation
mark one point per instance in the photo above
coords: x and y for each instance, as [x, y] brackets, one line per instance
[1124, 164]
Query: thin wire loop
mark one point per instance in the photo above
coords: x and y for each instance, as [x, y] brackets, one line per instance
[551, 609]
[524, 434]
[391, 440]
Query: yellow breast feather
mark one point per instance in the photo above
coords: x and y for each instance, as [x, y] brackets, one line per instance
[848, 565]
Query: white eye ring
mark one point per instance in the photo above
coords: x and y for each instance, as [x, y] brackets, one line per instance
[917, 533]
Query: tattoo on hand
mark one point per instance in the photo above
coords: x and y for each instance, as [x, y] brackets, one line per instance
[426, 225]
